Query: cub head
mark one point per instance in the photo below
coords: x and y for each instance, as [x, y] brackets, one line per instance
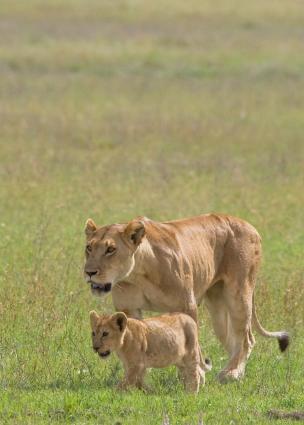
[107, 332]
[110, 253]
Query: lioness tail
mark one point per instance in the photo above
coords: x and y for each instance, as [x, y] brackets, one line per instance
[282, 336]
[206, 365]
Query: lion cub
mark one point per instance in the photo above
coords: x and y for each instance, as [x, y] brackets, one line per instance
[155, 342]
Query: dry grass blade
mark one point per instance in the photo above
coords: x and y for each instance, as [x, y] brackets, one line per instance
[166, 420]
[200, 420]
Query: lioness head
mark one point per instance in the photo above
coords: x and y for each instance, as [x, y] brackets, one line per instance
[110, 253]
[107, 332]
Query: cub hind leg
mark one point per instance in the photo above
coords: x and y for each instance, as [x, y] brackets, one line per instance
[191, 375]
[192, 369]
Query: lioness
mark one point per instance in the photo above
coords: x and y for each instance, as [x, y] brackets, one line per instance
[174, 266]
[156, 342]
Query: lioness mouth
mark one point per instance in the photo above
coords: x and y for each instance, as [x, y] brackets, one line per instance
[101, 288]
[105, 353]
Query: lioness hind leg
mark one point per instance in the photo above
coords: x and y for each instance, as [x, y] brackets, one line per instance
[216, 304]
[251, 341]
[239, 304]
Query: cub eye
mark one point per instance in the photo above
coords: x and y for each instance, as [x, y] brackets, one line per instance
[110, 250]
[88, 248]
[105, 333]
[93, 333]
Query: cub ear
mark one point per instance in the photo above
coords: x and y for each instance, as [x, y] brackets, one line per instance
[135, 231]
[90, 227]
[93, 318]
[120, 320]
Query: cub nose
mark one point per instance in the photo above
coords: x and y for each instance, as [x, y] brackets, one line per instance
[91, 273]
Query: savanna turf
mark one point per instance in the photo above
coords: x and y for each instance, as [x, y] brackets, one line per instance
[168, 109]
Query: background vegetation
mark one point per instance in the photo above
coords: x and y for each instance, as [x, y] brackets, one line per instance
[112, 109]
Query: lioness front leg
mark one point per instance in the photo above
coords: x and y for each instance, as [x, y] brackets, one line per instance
[129, 299]
[134, 314]
[191, 310]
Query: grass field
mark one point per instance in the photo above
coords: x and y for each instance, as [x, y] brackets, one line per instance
[113, 109]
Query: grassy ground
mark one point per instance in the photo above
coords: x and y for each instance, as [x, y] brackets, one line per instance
[166, 109]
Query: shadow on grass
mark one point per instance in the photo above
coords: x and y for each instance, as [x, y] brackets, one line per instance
[277, 414]
[164, 381]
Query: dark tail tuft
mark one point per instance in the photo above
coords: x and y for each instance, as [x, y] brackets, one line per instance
[283, 342]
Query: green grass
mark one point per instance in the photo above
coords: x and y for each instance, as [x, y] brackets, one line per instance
[167, 109]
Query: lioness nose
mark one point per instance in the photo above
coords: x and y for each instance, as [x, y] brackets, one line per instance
[91, 273]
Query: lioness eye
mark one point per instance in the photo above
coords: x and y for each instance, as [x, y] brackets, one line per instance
[110, 250]
[93, 333]
[105, 333]
[89, 248]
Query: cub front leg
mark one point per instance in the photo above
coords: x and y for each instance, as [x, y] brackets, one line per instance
[134, 377]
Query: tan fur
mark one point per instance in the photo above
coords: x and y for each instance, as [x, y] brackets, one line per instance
[156, 342]
[174, 266]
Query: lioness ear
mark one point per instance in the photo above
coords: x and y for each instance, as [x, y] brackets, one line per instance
[90, 227]
[135, 231]
[93, 318]
[120, 320]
